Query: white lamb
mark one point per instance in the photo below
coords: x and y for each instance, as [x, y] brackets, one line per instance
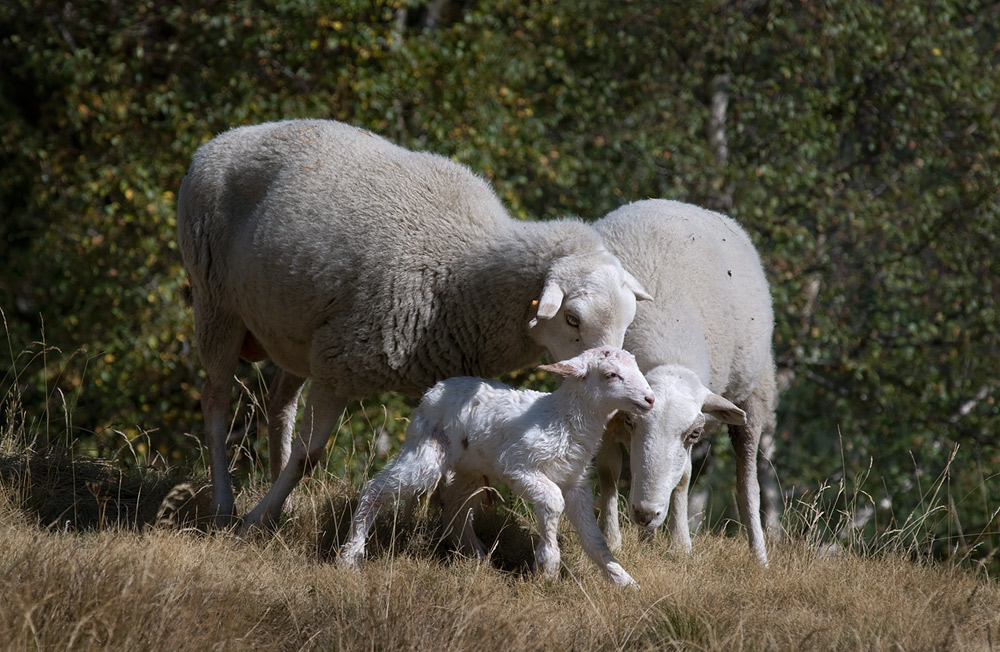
[705, 347]
[538, 444]
[367, 267]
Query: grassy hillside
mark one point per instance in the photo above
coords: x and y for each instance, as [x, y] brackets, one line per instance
[105, 575]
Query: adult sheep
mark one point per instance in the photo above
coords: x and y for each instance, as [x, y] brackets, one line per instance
[367, 267]
[704, 345]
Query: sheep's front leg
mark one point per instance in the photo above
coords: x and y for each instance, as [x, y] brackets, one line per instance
[460, 497]
[547, 500]
[745, 440]
[609, 469]
[579, 509]
[677, 518]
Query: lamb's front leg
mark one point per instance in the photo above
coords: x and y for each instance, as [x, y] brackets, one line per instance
[579, 509]
[547, 500]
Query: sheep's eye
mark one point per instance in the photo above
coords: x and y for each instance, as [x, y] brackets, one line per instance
[611, 375]
[572, 320]
[694, 435]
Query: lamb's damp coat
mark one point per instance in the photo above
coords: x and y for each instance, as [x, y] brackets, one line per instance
[467, 429]
[704, 344]
[367, 267]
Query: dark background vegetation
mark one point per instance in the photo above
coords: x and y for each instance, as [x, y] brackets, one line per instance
[858, 142]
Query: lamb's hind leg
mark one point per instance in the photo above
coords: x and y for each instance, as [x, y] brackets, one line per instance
[416, 470]
[220, 336]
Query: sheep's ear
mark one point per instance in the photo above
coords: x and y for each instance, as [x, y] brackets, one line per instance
[633, 284]
[719, 408]
[549, 302]
[567, 368]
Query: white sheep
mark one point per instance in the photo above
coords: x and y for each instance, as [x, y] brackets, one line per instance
[705, 347]
[367, 267]
[538, 444]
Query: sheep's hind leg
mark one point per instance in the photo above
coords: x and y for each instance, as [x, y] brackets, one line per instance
[283, 403]
[323, 410]
[220, 336]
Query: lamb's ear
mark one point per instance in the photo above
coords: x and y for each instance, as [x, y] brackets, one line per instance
[632, 283]
[719, 408]
[549, 303]
[566, 368]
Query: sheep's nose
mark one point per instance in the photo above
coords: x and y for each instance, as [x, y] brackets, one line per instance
[642, 516]
[650, 400]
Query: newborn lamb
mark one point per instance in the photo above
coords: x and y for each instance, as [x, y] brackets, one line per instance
[540, 444]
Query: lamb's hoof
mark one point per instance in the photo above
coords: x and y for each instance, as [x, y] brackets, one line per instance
[620, 577]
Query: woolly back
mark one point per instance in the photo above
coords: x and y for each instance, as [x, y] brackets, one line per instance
[712, 303]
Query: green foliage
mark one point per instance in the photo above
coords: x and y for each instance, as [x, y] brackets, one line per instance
[862, 150]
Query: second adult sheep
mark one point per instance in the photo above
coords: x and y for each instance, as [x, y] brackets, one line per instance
[367, 267]
[538, 444]
[705, 347]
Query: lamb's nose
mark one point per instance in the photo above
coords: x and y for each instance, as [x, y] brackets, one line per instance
[643, 517]
[650, 400]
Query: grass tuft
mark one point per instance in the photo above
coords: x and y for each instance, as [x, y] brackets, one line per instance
[119, 578]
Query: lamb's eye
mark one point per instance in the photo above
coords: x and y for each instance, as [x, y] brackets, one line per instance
[572, 320]
[611, 375]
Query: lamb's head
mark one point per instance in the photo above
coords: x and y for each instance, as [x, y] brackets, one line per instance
[662, 439]
[611, 378]
[588, 300]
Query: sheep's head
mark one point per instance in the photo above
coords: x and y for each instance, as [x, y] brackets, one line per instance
[612, 378]
[587, 301]
[662, 439]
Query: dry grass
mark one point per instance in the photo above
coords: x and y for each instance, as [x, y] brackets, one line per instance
[131, 585]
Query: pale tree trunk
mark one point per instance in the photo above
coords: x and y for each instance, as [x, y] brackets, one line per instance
[719, 141]
[771, 501]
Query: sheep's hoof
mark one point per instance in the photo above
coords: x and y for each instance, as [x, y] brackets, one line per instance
[249, 529]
